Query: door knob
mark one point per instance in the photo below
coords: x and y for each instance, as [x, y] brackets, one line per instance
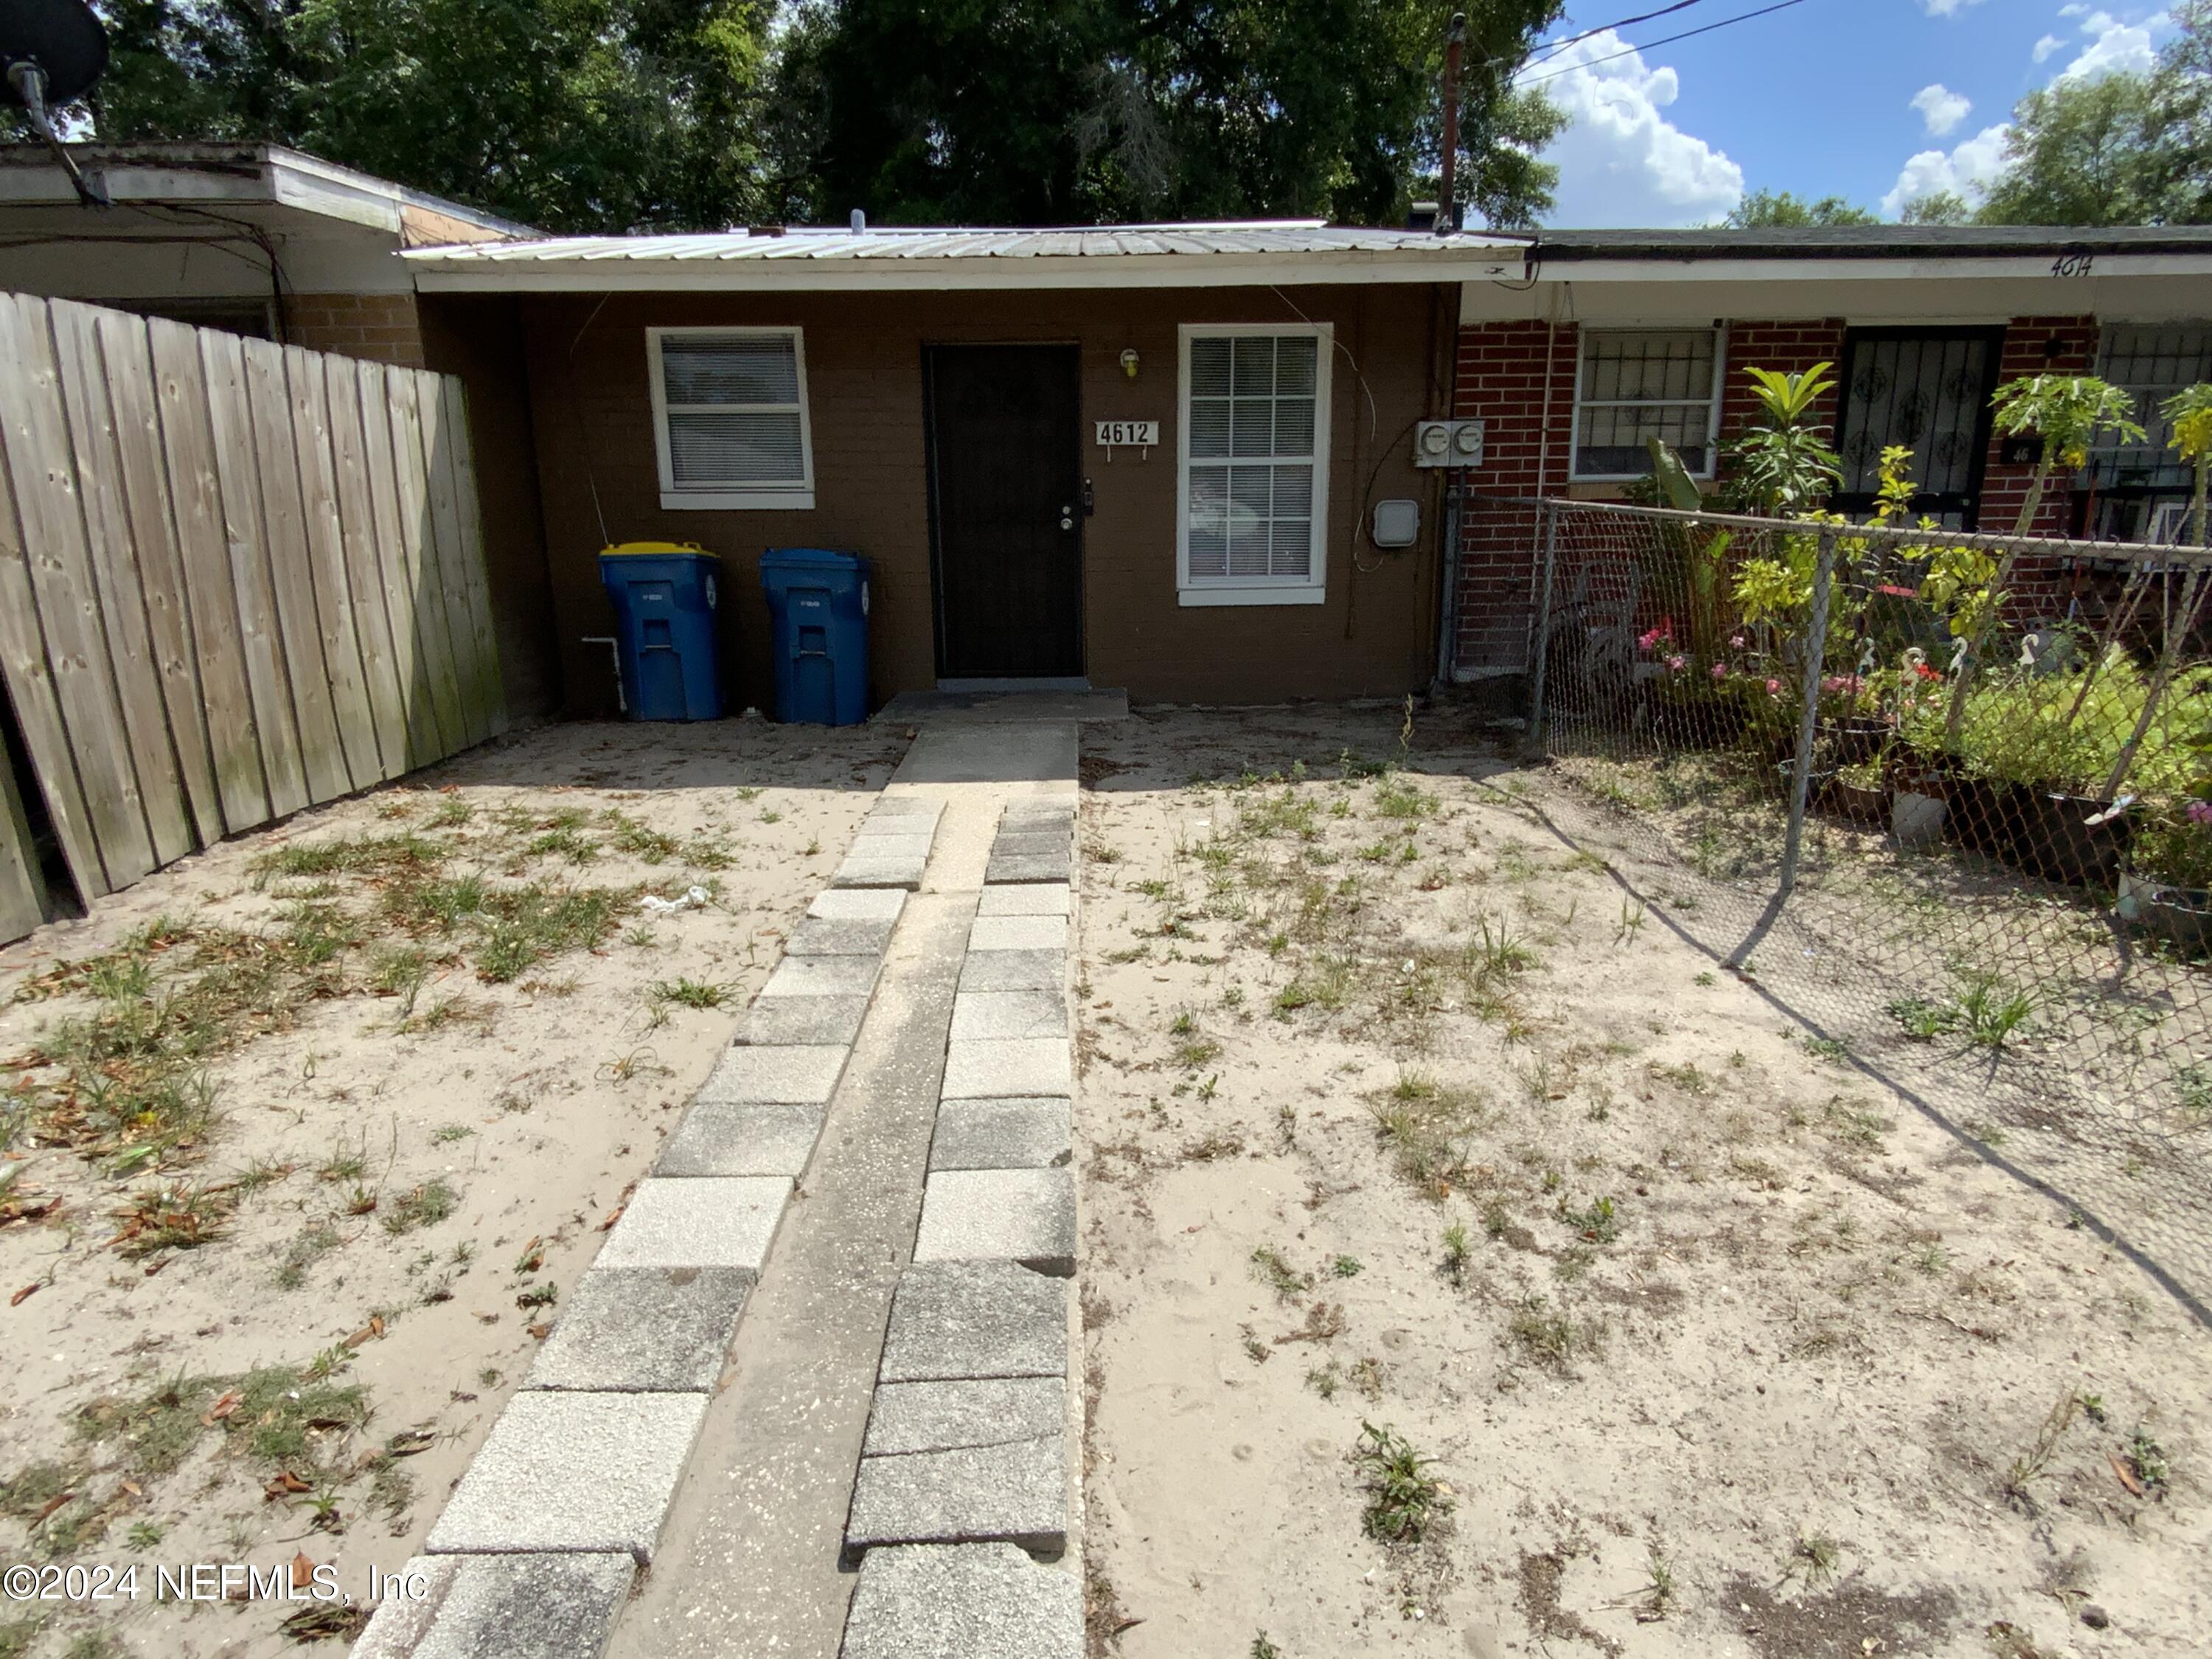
[1068, 518]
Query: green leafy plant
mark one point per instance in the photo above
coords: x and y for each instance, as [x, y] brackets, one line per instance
[1785, 465]
[2190, 413]
[1403, 1498]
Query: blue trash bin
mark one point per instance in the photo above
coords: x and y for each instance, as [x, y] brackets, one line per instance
[818, 608]
[664, 595]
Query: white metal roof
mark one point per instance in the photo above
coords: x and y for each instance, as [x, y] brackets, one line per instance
[1303, 250]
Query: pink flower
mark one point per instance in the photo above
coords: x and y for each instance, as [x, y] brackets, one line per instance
[2200, 811]
[1774, 688]
[1897, 593]
[1676, 665]
[1737, 641]
[1720, 671]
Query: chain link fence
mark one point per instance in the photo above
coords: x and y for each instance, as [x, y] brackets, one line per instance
[1943, 793]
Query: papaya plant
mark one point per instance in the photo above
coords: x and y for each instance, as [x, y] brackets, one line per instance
[1785, 465]
[1703, 551]
[2190, 414]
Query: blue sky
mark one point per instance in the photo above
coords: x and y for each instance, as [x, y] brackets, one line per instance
[1877, 100]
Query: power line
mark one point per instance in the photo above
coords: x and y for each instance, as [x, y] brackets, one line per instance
[1552, 48]
[1665, 40]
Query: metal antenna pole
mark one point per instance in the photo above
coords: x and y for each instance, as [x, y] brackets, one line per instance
[1808, 717]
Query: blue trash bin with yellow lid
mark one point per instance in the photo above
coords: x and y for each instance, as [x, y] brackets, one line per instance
[818, 608]
[666, 643]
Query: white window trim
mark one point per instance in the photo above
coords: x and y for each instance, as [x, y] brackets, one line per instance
[1712, 414]
[785, 497]
[1313, 589]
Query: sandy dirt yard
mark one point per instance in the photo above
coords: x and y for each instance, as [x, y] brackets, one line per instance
[1473, 1266]
[304, 1138]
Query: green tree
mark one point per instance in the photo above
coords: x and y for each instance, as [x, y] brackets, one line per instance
[1084, 111]
[2119, 149]
[575, 115]
[1782, 209]
[1938, 207]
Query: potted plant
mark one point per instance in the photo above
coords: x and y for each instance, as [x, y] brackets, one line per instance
[2167, 887]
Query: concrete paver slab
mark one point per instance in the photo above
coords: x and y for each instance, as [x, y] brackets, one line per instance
[1018, 934]
[1044, 898]
[1027, 866]
[708, 1222]
[923, 1417]
[742, 1138]
[655, 1330]
[802, 1073]
[1026, 1216]
[1014, 970]
[1002, 1134]
[982, 1069]
[988, 1014]
[973, 1601]
[822, 977]
[503, 1606]
[897, 806]
[967, 1319]
[821, 936]
[802, 1021]
[870, 869]
[1016, 1493]
[858, 904]
[572, 1472]
[1013, 841]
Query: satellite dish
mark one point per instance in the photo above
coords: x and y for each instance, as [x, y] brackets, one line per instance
[62, 37]
[52, 52]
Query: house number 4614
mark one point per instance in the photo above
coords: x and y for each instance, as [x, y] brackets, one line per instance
[2073, 264]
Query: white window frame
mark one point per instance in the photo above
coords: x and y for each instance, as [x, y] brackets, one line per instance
[1313, 588]
[782, 497]
[1720, 336]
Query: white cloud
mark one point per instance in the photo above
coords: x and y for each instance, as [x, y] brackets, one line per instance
[1941, 108]
[1965, 170]
[2048, 45]
[1947, 8]
[1621, 162]
[2114, 47]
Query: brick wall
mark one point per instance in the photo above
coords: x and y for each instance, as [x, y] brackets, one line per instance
[383, 327]
[1504, 370]
[1502, 380]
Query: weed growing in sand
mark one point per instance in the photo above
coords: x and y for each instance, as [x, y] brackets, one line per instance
[1553, 1338]
[2025, 1470]
[689, 993]
[1814, 1557]
[2149, 1461]
[1404, 1500]
[426, 1206]
[1456, 1244]
[1659, 1592]
[1430, 1126]
[1263, 1649]
[1600, 1224]
[1278, 1274]
[1347, 1267]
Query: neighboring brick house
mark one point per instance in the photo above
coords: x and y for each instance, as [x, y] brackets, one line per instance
[1620, 336]
[255, 239]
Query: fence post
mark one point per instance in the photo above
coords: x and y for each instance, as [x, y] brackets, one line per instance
[1808, 717]
[1533, 744]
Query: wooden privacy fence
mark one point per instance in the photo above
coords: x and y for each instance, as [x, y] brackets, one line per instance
[236, 579]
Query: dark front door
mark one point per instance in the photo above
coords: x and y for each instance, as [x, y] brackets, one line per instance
[1928, 390]
[1006, 505]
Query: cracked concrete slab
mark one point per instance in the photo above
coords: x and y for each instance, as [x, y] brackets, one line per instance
[1014, 970]
[589, 1471]
[657, 1330]
[1026, 1216]
[1044, 898]
[923, 1417]
[987, 1015]
[1018, 934]
[796, 1074]
[1002, 1134]
[822, 977]
[502, 1606]
[984, 1068]
[970, 1319]
[698, 1222]
[802, 1021]
[1015, 1493]
[742, 1138]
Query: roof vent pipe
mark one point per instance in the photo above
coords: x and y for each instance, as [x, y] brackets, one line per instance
[860, 221]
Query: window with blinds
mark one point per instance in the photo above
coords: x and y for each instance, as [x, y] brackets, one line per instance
[1254, 464]
[1642, 385]
[730, 413]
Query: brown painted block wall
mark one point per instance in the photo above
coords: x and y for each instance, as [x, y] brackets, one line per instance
[591, 415]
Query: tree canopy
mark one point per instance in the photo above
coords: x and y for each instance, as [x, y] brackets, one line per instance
[615, 115]
[1780, 209]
